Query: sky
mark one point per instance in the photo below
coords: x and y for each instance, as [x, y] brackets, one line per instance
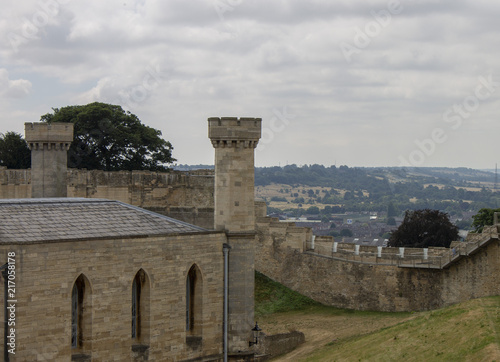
[344, 82]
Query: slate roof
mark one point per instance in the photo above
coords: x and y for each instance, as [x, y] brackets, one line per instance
[56, 219]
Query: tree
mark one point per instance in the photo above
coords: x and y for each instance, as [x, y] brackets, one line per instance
[313, 210]
[108, 138]
[424, 228]
[346, 232]
[482, 218]
[392, 210]
[14, 151]
[391, 221]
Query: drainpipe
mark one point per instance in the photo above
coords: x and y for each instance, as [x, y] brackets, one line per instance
[225, 249]
[3, 268]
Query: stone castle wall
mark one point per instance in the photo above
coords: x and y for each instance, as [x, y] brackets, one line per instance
[186, 196]
[360, 279]
[15, 184]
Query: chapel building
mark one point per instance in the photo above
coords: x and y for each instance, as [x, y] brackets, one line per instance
[102, 280]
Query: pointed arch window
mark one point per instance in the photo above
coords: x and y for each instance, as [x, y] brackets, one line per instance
[75, 313]
[194, 301]
[140, 307]
[81, 315]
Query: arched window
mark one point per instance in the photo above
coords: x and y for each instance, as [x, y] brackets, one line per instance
[194, 301]
[136, 306]
[81, 316]
[76, 312]
[140, 307]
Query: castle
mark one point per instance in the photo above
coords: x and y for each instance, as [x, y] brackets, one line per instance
[91, 279]
[135, 279]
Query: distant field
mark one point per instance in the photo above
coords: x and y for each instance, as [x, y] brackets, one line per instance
[285, 191]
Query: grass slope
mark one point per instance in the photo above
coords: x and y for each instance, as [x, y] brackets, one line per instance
[273, 297]
[466, 332]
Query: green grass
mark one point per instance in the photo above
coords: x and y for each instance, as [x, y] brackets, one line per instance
[272, 297]
[466, 332]
[469, 331]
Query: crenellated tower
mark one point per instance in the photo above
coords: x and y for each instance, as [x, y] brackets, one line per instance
[234, 140]
[49, 145]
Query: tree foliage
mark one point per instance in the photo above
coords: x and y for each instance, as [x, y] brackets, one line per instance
[392, 210]
[374, 189]
[14, 151]
[424, 228]
[391, 221]
[108, 138]
[482, 218]
[346, 232]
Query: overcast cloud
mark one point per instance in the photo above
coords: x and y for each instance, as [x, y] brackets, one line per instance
[360, 83]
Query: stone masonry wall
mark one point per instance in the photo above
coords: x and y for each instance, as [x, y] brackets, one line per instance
[45, 274]
[364, 284]
[15, 184]
[186, 196]
[279, 344]
[49, 144]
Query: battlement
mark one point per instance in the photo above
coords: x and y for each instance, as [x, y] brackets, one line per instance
[362, 277]
[233, 131]
[48, 132]
[49, 145]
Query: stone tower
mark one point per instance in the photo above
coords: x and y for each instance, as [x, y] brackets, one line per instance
[49, 144]
[234, 140]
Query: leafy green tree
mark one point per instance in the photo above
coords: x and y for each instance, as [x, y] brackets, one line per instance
[392, 210]
[14, 151]
[482, 218]
[464, 224]
[348, 195]
[391, 221]
[108, 138]
[346, 232]
[385, 235]
[424, 228]
[313, 210]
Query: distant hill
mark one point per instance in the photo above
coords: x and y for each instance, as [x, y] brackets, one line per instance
[318, 175]
[460, 174]
[181, 167]
[453, 190]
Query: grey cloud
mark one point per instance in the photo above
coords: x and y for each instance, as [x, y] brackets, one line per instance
[258, 55]
[17, 88]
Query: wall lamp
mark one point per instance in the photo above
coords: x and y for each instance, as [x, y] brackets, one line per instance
[256, 334]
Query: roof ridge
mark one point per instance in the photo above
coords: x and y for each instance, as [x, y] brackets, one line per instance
[54, 200]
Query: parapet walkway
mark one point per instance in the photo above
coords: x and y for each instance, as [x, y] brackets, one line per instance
[427, 258]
